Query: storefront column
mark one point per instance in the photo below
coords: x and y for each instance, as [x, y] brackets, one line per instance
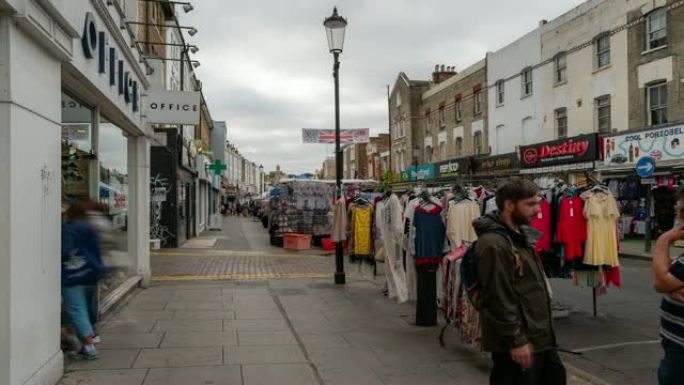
[139, 205]
[30, 189]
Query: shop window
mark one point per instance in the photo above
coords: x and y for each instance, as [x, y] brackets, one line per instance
[561, 118]
[602, 44]
[77, 148]
[656, 29]
[113, 195]
[603, 114]
[560, 68]
[458, 108]
[526, 77]
[477, 143]
[657, 103]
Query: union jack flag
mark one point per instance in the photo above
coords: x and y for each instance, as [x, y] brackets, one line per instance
[351, 135]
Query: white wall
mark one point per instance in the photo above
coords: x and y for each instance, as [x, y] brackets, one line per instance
[30, 158]
[506, 64]
[584, 81]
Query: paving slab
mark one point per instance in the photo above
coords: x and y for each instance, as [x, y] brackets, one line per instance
[105, 377]
[249, 355]
[204, 314]
[109, 359]
[142, 315]
[322, 341]
[247, 338]
[350, 376]
[249, 314]
[119, 325]
[129, 340]
[189, 325]
[262, 325]
[179, 357]
[199, 339]
[218, 375]
[299, 374]
[196, 305]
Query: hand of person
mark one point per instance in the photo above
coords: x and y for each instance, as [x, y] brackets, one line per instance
[672, 235]
[677, 295]
[523, 355]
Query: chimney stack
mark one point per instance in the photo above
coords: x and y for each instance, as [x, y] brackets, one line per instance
[442, 73]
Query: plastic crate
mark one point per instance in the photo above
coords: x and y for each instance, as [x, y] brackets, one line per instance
[329, 245]
[295, 241]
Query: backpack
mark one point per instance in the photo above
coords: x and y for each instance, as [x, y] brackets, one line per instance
[469, 270]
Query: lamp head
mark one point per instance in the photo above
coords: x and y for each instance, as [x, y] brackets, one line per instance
[188, 7]
[335, 26]
[192, 31]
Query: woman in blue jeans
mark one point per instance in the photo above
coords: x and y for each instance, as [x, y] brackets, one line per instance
[82, 268]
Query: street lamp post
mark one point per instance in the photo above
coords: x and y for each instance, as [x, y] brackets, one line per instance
[335, 27]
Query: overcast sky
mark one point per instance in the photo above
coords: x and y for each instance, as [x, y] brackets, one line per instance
[267, 72]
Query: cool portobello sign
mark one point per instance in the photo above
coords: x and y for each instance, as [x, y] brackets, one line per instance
[583, 148]
[95, 46]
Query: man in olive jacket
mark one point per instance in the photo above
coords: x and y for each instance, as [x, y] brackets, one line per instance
[515, 303]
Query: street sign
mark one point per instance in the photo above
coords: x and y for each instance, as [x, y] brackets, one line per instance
[217, 167]
[645, 166]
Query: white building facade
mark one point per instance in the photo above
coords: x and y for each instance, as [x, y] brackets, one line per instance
[515, 94]
[64, 94]
[585, 70]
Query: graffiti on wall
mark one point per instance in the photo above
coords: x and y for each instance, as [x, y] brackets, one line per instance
[159, 191]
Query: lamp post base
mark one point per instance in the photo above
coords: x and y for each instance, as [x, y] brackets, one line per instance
[339, 278]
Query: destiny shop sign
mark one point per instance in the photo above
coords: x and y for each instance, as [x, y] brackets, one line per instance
[582, 148]
[661, 144]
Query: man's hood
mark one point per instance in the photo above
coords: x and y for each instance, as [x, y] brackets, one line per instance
[492, 223]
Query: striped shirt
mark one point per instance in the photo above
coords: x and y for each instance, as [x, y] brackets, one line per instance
[672, 310]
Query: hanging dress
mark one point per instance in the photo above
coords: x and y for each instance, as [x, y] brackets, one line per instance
[602, 214]
[362, 219]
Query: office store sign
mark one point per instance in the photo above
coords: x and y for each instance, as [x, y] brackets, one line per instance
[96, 47]
[577, 149]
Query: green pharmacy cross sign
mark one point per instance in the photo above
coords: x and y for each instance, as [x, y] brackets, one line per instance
[217, 167]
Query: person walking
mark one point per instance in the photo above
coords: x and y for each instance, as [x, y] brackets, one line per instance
[515, 304]
[82, 268]
[668, 278]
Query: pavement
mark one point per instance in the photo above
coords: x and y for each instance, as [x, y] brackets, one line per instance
[252, 314]
[635, 249]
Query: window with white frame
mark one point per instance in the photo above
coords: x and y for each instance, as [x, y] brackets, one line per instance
[477, 143]
[458, 107]
[478, 102]
[442, 150]
[560, 64]
[458, 146]
[602, 44]
[402, 128]
[526, 82]
[428, 154]
[442, 119]
[657, 103]
[603, 114]
[561, 118]
[397, 99]
[656, 29]
[500, 92]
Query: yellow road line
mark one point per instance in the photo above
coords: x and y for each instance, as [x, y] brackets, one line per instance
[238, 277]
[233, 254]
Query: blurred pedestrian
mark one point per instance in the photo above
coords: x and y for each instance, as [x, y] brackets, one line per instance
[514, 296]
[82, 268]
[668, 279]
